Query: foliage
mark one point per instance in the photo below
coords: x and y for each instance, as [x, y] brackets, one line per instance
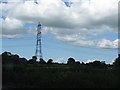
[33, 60]
[21, 73]
[42, 61]
[97, 64]
[71, 61]
[117, 62]
[50, 61]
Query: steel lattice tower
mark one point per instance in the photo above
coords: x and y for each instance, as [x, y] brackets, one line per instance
[38, 52]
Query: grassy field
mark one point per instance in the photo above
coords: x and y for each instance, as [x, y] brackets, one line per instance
[21, 73]
[58, 76]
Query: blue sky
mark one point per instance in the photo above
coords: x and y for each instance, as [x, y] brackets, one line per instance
[80, 29]
[56, 49]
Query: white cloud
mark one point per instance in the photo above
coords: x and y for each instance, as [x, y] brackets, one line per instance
[108, 44]
[89, 61]
[60, 60]
[12, 26]
[55, 13]
[74, 25]
[12, 36]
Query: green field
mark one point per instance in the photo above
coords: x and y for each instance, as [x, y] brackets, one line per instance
[20, 73]
[51, 76]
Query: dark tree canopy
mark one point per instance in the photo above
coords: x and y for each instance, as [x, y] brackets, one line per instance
[33, 60]
[7, 58]
[117, 62]
[97, 64]
[22, 73]
[42, 61]
[71, 61]
[50, 61]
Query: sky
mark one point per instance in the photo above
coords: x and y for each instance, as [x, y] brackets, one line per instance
[85, 30]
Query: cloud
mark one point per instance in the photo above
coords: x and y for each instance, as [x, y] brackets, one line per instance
[90, 61]
[11, 27]
[60, 60]
[75, 25]
[12, 36]
[108, 44]
[54, 13]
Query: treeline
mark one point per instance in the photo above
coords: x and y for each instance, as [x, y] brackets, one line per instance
[7, 57]
[22, 73]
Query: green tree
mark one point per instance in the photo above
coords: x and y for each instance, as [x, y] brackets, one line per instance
[117, 62]
[97, 64]
[23, 61]
[6, 57]
[50, 61]
[42, 61]
[71, 61]
[33, 60]
[15, 59]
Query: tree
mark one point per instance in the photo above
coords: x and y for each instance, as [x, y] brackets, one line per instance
[23, 61]
[77, 62]
[83, 63]
[42, 61]
[6, 57]
[71, 61]
[33, 60]
[97, 64]
[50, 61]
[117, 62]
[15, 59]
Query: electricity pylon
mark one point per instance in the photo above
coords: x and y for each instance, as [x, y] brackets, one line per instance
[38, 52]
